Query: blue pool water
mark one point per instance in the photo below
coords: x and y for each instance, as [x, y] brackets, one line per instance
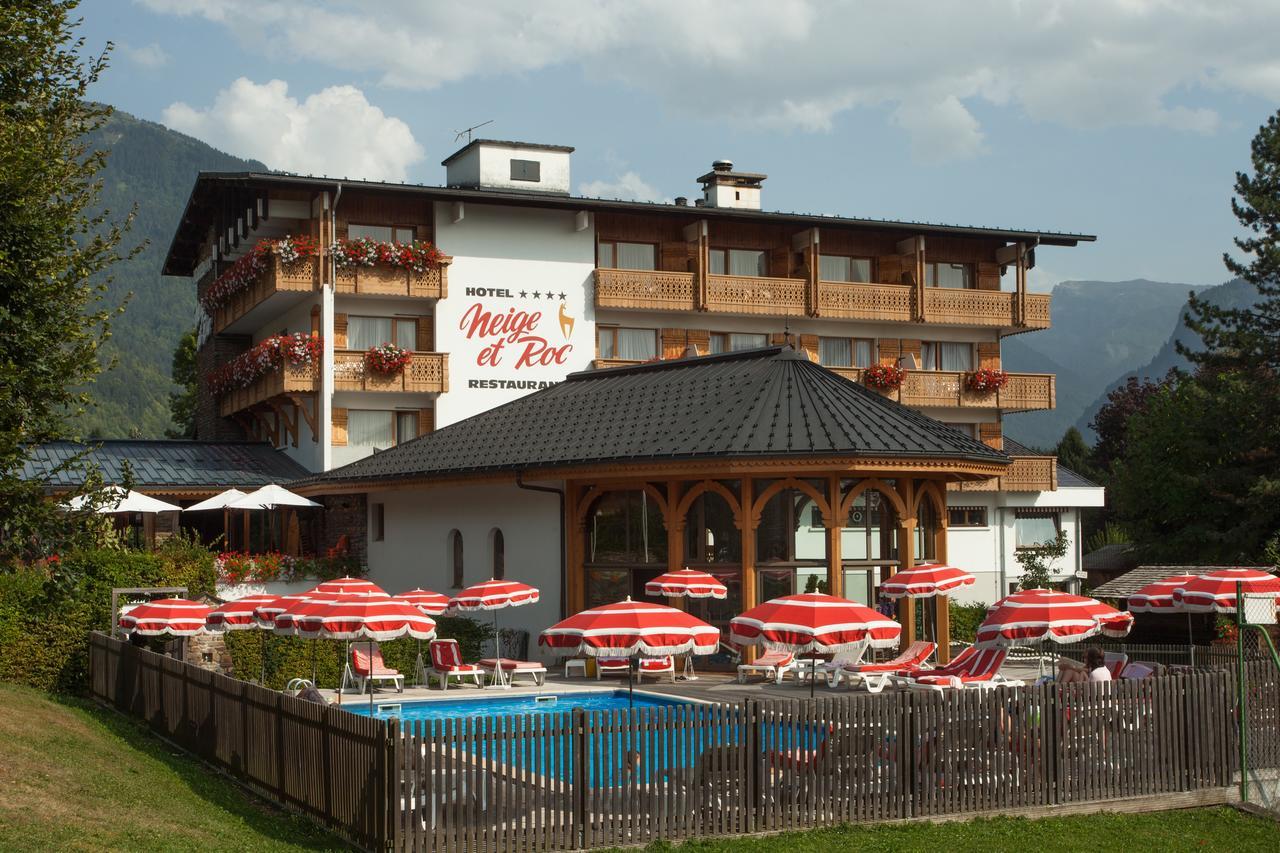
[509, 706]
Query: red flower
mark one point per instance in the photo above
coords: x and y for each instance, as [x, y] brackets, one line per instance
[885, 377]
[986, 380]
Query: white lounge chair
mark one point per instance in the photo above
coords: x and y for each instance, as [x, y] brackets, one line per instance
[657, 667]
[976, 671]
[876, 676]
[612, 666]
[446, 664]
[368, 668]
[504, 671]
[772, 664]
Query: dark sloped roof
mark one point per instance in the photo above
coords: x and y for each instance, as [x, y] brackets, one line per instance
[156, 464]
[1130, 582]
[1067, 478]
[1109, 558]
[761, 403]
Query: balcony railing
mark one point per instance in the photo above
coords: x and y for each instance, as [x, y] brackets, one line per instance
[300, 277]
[745, 294]
[289, 379]
[426, 373]
[645, 289]
[1025, 474]
[1024, 392]
[432, 283]
[845, 301]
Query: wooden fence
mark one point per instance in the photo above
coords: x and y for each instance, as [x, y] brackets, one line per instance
[575, 779]
[330, 765]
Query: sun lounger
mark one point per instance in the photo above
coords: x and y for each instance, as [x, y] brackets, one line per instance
[771, 664]
[657, 667]
[1137, 671]
[368, 672]
[1115, 663]
[505, 670]
[612, 666]
[446, 664]
[980, 670]
[874, 676]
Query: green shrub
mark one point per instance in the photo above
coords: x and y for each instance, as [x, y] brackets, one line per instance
[965, 619]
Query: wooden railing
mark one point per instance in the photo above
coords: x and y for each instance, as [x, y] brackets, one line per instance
[1024, 392]
[655, 290]
[300, 277]
[428, 373]
[745, 294]
[1024, 474]
[289, 379]
[381, 280]
[847, 301]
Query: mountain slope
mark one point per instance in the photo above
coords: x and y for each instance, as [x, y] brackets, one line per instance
[154, 168]
[1101, 330]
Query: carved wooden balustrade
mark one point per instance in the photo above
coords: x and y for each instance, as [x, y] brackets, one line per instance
[299, 277]
[427, 372]
[432, 283]
[1025, 474]
[851, 301]
[745, 294]
[1024, 392]
[289, 379]
[652, 289]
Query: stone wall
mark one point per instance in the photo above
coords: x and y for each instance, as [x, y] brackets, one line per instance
[346, 515]
[217, 350]
[208, 651]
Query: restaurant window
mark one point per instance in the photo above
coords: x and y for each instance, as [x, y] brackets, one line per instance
[955, 276]
[626, 546]
[843, 268]
[365, 332]
[626, 344]
[382, 233]
[499, 556]
[455, 556]
[1033, 527]
[790, 552]
[945, 355]
[713, 544]
[927, 523]
[967, 516]
[526, 170]
[627, 256]
[732, 342]
[380, 429]
[379, 522]
[750, 262]
[868, 542]
[844, 352]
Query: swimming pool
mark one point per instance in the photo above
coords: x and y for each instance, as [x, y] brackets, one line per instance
[510, 706]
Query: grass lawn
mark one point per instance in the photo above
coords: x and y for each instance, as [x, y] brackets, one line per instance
[76, 777]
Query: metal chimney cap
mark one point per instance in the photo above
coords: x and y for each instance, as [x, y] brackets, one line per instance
[722, 166]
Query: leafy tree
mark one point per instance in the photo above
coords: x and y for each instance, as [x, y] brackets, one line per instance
[53, 253]
[182, 404]
[1035, 561]
[1073, 453]
[1111, 423]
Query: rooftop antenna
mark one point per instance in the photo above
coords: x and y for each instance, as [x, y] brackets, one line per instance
[467, 131]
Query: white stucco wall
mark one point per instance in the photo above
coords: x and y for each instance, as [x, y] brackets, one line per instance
[416, 549]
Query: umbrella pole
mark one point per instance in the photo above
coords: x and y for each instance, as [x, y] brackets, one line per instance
[262, 659]
[370, 677]
[1191, 642]
[497, 649]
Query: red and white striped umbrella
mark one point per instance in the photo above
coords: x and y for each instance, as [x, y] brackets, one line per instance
[266, 613]
[236, 615]
[349, 586]
[494, 595]
[361, 617]
[1215, 592]
[176, 617]
[430, 603]
[1157, 597]
[632, 628]
[686, 583]
[813, 622]
[925, 581]
[1036, 615]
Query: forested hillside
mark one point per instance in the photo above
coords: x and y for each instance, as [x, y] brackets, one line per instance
[154, 168]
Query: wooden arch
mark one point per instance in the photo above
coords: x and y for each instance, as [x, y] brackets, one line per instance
[883, 488]
[597, 492]
[930, 488]
[702, 487]
[757, 508]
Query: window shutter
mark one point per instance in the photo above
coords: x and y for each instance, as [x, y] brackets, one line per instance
[673, 343]
[425, 334]
[339, 331]
[890, 349]
[988, 276]
[989, 356]
[701, 339]
[780, 261]
[889, 269]
[426, 421]
[777, 338]
[910, 347]
[809, 343]
[673, 256]
[339, 427]
[992, 434]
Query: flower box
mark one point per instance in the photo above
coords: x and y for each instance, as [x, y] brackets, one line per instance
[884, 377]
[985, 381]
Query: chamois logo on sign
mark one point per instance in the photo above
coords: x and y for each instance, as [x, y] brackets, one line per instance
[566, 322]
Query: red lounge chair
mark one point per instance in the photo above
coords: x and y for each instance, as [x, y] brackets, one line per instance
[772, 664]
[511, 668]
[978, 670]
[446, 663]
[1115, 663]
[612, 666]
[657, 667]
[367, 672]
[874, 676]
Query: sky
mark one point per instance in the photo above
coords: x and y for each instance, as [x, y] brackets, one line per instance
[1126, 119]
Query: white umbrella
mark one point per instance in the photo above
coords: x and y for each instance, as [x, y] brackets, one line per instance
[120, 500]
[270, 497]
[219, 501]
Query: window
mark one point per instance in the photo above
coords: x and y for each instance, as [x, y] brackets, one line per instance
[956, 276]
[841, 268]
[844, 352]
[627, 344]
[526, 170]
[379, 523]
[627, 256]
[499, 556]
[365, 332]
[1034, 527]
[455, 556]
[944, 355]
[734, 341]
[372, 428]
[382, 233]
[752, 262]
[967, 516]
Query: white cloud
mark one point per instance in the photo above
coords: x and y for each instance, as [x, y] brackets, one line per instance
[148, 56]
[334, 132]
[628, 186]
[800, 63]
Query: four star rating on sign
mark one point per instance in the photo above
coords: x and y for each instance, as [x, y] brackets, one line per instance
[538, 294]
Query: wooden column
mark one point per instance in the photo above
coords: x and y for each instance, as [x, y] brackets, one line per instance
[575, 549]
[907, 556]
[942, 602]
[675, 538]
[748, 530]
[835, 574]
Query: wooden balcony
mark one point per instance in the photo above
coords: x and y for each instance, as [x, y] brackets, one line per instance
[427, 373]
[300, 277]
[745, 294]
[289, 379]
[1024, 392]
[852, 301]
[653, 290]
[393, 281]
[945, 306]
[1025, 474]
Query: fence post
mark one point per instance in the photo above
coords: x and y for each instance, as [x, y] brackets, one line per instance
[1053, 744]
[579, 822]
[390, 784]
[751, 745]
[1242, 696]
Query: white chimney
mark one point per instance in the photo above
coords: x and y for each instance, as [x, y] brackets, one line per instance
[495, 164]
[723, 187]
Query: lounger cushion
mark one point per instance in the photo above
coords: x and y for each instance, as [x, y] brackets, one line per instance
[457, 668]
[509, 665]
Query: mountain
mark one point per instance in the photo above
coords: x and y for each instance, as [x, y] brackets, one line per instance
[1101, 330]
[1236, 293]
[154, 168]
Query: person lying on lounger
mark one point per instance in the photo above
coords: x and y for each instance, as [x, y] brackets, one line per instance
[1093, 668]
